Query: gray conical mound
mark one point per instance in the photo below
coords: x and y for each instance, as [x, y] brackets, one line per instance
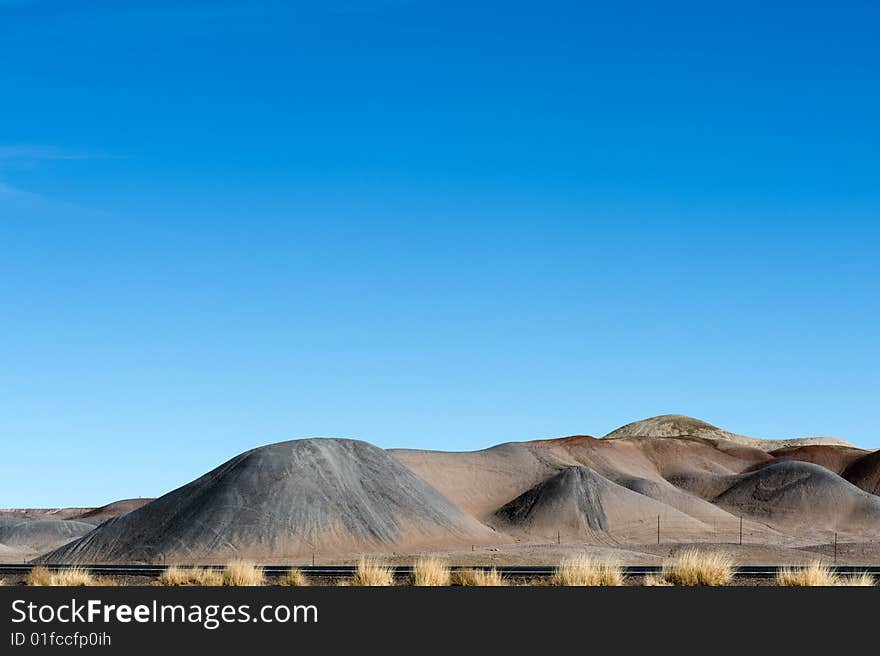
[792, 491]
[580, 502]
[282, 501]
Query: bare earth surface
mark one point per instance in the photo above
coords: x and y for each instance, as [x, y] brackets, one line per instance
[674, 479]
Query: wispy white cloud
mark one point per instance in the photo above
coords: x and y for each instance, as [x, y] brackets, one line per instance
[22, 157]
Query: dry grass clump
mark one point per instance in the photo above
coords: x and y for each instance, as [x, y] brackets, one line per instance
[695, 567]
[242, 573]
[478, 577]
[815, 575]
[860, 580]
[174, 576]
[655, 580]
[585, 571]
[372, 573]
[39, 576]
[74, 576]
[294, 577]
[431, 572]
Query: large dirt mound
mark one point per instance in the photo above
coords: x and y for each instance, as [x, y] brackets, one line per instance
[481, 481]
[681, 426]
[802, 493]
[286, 500]
[579, 502]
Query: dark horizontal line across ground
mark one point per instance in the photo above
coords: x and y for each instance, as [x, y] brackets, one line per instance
[321, 571]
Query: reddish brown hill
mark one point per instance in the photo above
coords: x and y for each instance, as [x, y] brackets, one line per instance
[835, 458]
[865, 472]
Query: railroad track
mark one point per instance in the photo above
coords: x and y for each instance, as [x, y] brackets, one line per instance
[519, 571]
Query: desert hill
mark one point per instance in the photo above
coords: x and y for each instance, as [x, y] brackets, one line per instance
[835, 458]
[344, 497]
[32, 537]
[584, 505]
[865, 472]
[115, 509]
[788, 492]
[680, 426]
[291, 498]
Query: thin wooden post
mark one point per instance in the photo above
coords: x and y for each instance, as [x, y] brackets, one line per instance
[658, 529]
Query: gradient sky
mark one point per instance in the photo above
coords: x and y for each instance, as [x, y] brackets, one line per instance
[432, 225]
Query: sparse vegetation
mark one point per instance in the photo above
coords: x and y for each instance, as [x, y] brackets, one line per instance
[860, 580]
[655, 580]
[242, 573]
[478, 577]
[294, 577]
[431, 571]
[585, 571]
[175, 575]
[696, 567]
[372, 573]
[39, 576]
[814, 575]
[74, 576]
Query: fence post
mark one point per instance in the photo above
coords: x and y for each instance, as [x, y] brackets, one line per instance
[658, 529]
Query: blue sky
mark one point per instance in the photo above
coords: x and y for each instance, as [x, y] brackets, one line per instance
[438, 225]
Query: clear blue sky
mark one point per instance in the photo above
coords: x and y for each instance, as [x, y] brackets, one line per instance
[440, 225]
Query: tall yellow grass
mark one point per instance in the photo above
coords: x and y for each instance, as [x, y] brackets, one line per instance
[585, 571]
[431, 571]
[815, 575]
[372, 573]
[71, 577]
[242, 573]
[174, 576]
[860, 580]
[695, 567]
[294, 577]
[39, 576]
[478, 577]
